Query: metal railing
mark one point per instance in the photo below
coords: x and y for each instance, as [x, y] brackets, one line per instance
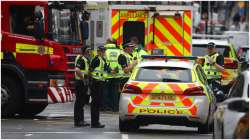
[206, 36]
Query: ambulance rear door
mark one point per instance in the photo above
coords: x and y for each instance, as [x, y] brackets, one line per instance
[170, 33]
[129, 23]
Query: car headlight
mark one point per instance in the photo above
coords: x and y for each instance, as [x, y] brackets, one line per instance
[57, 82]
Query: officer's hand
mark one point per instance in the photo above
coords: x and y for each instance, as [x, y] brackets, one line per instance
[126, 70]
[199, 61]
[113, 71]
[210, 60]
[135, 62]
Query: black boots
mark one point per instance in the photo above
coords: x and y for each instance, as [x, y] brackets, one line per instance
[81, 124]
[98, 125]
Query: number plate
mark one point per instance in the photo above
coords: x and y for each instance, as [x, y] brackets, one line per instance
[162, 97]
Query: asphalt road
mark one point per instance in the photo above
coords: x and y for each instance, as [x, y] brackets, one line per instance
[56, 122]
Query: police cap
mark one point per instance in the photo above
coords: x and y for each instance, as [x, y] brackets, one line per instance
[211, 45]
[84, 49]
[128, 45]
[101, 48]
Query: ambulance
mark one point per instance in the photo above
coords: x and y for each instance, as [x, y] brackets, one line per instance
[161, 29]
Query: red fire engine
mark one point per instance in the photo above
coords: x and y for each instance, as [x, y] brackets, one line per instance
[39, 43]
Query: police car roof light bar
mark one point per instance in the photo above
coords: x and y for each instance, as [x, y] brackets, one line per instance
[168, 57]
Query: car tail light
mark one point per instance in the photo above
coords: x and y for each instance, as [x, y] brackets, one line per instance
[231, 65]
[194, 91]
[131, 89]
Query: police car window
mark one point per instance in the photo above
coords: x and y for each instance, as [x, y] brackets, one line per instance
[164, 74]
[237, 88]
[201, 50]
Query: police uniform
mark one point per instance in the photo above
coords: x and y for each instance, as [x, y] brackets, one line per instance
[111, 98]
[81, 90]
[137, 54]
[213, 74]
[124, 60]
[98, 69]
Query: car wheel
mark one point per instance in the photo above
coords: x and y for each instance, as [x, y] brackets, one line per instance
[10, 96]
[128, 125]
[213, 134]
[203, 129]
[30, 110]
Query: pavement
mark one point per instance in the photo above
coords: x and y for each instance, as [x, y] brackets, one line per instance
[56, 122]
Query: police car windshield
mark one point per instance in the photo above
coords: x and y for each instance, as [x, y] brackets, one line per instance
[201, 50]
[164, 74]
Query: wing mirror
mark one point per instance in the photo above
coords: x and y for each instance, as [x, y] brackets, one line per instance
[239, 105]
[39, 26]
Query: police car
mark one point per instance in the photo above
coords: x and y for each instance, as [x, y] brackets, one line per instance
[166, 90]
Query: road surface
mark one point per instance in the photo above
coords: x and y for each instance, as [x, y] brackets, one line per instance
[56, 122]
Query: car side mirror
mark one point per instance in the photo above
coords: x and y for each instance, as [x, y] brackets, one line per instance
[39, 26]
[85, 30]
[239, 105]
[242, 59]
[244, 66]
[49, 35]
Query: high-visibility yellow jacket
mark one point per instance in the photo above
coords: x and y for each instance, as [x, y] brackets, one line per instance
[85, 70]
[112, 54]
[210, 70]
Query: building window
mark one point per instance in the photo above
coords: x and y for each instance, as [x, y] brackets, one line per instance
[99, 28]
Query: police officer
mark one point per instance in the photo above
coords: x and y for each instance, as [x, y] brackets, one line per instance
[138, 50]
[112, 86]
[81, 77]
[98, 69]
[213, 67]
[126, 62]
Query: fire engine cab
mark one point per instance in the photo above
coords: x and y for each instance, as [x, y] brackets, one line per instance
[39, 43]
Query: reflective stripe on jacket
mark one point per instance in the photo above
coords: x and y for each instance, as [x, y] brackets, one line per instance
[112, 54]
[99, 73]
[83, 71]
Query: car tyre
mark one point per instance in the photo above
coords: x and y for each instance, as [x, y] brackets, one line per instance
[30, 110]
[213, 133]
[204, 128]
[11, 96]
[128, 125]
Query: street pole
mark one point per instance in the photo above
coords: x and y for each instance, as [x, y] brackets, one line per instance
[209, 14]
[211, 21]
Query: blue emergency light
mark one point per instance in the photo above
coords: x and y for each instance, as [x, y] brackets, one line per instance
[168, 57]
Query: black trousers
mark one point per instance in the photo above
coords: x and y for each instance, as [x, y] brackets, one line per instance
[106, 101]
[113, 93]
[96, 96]
[215, 83]
[81, 98]
[123, 82]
